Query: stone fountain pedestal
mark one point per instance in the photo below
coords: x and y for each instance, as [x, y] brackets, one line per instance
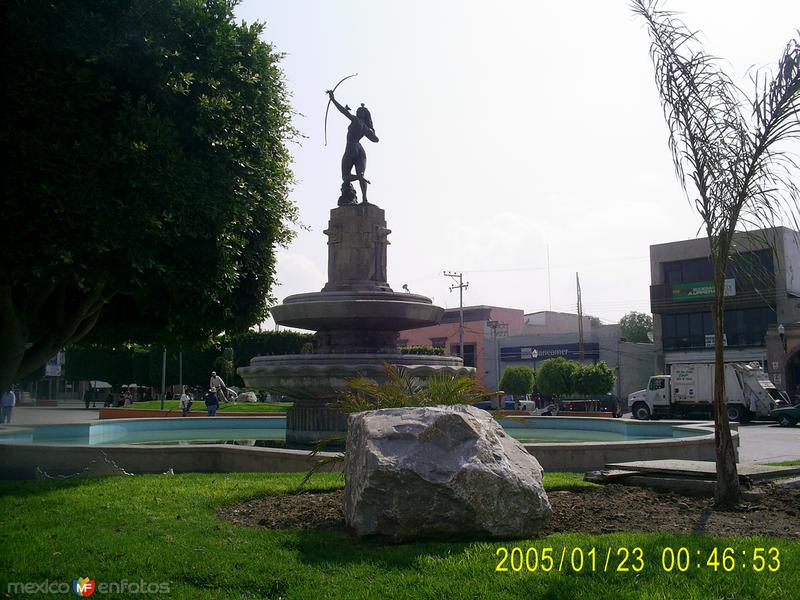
[357, 319]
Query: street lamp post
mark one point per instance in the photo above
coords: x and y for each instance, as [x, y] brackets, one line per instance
[534, 356]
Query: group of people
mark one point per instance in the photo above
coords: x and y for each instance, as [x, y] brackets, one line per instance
[217, 393]
[91, 396]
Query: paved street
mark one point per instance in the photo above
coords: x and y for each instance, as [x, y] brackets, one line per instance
[767, 442]
[760, 442]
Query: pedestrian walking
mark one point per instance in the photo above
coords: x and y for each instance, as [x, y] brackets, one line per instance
[212, 402]
[7, 404]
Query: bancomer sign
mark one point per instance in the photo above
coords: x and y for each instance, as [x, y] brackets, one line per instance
[700, 290]
[591, 351]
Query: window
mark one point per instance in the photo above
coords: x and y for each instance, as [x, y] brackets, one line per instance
[469, 353]
[743, 327]
[750, 269]
[438, 342]
[687, 271]
[657, 384]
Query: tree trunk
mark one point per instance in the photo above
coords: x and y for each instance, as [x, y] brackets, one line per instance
[727, 492]
[22, 353]
[12, 341]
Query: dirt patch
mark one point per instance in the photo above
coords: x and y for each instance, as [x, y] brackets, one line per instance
[300, 511]
[770, 510]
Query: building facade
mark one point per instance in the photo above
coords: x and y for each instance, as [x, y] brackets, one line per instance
[497, 337]
[762, 288]
[633, 364]
[482, 326]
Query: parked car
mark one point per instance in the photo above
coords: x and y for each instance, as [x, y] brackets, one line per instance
[607, 403]
[508, 404]
[786, 415]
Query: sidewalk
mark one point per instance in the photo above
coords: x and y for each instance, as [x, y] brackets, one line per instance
[27, 415]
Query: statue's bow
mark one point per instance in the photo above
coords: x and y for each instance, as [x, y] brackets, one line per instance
[329, 104]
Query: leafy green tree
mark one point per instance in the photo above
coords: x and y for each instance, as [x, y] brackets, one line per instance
[635, 326]
[731, 151]
[267, 343]
[594, 379]
[147, 142]
[223, 364]
[517, 381]
[556, 377]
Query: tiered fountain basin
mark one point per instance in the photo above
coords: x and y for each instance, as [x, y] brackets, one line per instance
[246, 444]
[363, 310]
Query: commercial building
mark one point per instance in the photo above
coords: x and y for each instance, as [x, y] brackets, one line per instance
[482, 324]
[633, 364]
[762, 289]
[497, 337]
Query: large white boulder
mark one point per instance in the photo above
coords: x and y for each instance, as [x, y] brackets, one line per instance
[444, 470]
[247, 397]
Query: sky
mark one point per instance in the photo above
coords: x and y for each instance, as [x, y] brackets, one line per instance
[509, 131]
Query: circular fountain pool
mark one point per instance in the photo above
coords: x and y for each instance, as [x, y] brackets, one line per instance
[252, 443]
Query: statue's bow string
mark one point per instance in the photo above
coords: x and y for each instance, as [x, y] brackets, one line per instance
[327, 108]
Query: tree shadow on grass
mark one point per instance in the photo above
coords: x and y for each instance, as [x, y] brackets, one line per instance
[342, 547]
[28, 488]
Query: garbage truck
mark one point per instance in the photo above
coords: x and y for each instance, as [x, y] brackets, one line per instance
[689, 391]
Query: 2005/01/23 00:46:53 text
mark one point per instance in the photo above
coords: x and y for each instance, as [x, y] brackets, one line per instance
[623, 560]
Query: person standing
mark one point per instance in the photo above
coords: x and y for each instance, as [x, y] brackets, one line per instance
[7, 404]
[185, 403]
[212, 402]
[218, 386]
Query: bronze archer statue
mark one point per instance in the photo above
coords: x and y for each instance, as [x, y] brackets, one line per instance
[354, 154]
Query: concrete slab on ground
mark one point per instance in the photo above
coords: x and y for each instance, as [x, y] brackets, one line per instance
[697, 468]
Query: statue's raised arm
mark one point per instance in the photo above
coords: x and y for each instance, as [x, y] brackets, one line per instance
[345, 110]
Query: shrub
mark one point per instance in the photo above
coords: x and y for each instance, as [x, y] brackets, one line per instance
[517, 381]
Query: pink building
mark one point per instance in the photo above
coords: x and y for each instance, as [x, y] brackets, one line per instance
[482, 324]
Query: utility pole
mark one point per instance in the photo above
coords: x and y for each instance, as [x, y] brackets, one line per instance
[498, 329]
[580, 319]
[163, 376]
[549, 296]
[460, 287]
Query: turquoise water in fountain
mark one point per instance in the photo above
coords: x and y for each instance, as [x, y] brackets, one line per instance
[272, 431]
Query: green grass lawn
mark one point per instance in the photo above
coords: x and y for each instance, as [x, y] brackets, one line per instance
[224, 407]
[786, 463]
[162, 528]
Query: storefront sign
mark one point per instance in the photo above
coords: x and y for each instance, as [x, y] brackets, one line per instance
[710, 340]
[700, 290]
[591, 351]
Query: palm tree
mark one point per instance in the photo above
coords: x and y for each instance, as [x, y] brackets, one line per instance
[729, 151]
